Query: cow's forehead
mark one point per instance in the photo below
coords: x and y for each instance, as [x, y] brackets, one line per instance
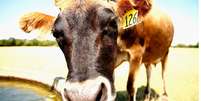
[85, 5]
[85, 14]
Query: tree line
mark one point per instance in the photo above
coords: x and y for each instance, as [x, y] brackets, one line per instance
[26, 42]
[187, 46]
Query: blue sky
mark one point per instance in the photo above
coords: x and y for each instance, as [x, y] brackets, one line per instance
[183, 12]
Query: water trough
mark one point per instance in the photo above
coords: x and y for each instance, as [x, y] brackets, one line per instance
[21, 89]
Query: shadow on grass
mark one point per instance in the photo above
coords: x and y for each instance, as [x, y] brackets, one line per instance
[123, 95]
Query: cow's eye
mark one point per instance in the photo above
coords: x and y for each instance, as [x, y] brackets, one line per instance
[111, 28]
[58, 34]
[113, 22]
[59, 38]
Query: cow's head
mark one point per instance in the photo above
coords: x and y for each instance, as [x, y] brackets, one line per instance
[86, 32]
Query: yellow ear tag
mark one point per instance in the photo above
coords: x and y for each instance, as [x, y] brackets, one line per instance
[129, 19]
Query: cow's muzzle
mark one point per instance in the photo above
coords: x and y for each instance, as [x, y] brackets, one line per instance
[97, 89]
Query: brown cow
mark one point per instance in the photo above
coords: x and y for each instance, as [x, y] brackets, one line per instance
[147, 42]
[94, 43]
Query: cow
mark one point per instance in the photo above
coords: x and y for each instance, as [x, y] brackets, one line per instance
[94, 43]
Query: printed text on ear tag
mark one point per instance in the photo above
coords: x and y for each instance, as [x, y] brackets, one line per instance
[130, 18]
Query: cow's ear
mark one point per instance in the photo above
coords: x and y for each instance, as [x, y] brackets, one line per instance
[35, 20]
[143, 6]
[61, 4]
[132, 12]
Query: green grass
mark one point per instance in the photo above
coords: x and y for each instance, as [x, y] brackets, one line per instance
[45, 63]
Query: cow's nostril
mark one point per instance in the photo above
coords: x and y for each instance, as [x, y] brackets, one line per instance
[102, 95]
[98, 98]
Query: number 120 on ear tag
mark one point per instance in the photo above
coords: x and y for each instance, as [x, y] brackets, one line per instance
[130, 18]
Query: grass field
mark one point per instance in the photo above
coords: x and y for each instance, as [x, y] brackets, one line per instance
[45, 63]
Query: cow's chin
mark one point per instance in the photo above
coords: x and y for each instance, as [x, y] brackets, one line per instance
[97, 89]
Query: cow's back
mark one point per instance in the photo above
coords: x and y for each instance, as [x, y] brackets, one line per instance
[157, 31]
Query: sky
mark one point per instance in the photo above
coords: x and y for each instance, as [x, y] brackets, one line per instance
[183, 12]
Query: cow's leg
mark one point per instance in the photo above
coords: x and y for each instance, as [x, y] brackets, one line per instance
[148, 72]
[134, 66]
[163, 63]
[135, 55]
